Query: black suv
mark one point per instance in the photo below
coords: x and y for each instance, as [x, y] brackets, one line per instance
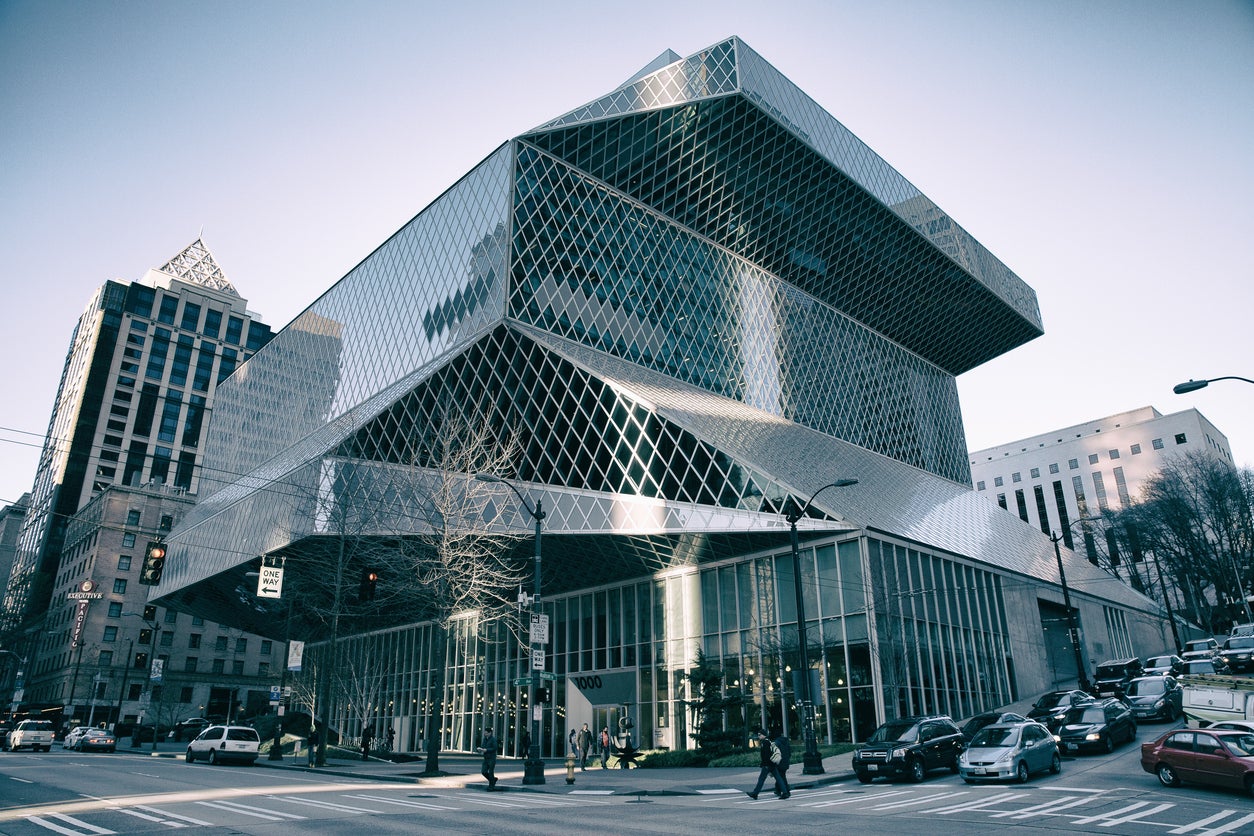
[1113, 676]
[909, 747]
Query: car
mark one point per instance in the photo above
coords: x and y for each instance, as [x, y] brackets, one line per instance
[1202, 667]
[1053, 706]
[190, 727]
[1113, 675]
[1155, 698]
[1243, 630]
[1170, 663]
[1200, 649]
[1237, 653]
[988, 718]
[1009, 751]
[909, 747]
[95, 740]
[72, 737]
[1202, 756]
[218, 744]
[36, 734]
[1232, 725]
[1099, 726]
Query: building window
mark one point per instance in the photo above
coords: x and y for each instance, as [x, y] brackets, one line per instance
[237, 667]
[219, 666]
[191, 316]
[190, 667]
[1022, 502]
[167, 522]
[1073, 464]
[106, 658]
[998, 481]
[1092, 458]
[1181, 439]
[1114, 454]
[169, 306]
[213, 323]
[1035, 473]
[1001, 500]
[124, 562]
[1053, 468]
[167, 638]
[1157, 444]
[198, 621]
[979, 486]
[115, 609]
[234, 329]
[171, 616]
[111, 633]
[128, 540]
[132, 517]
[1136, 449]
[263, 669]
[1016, 477]
[119, 586]
[266, 644]
[241, 645]
[193, 641]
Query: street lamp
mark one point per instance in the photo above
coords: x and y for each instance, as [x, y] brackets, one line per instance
[1194, 385]
[533, 767]
[1072, 629]
[813, 761]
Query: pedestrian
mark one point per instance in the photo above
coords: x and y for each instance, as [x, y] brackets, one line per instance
[605, 747]
[585, 746]
[365, 743]
[785, 757]
[769, 758]
[391, 739]
[573, 738]
[489, 758]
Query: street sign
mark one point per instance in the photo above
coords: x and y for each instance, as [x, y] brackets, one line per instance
[521, 681]
[537, 660]
[545, 676]
[270, 582]
[551, 677]
[539, 628]
[276, 694]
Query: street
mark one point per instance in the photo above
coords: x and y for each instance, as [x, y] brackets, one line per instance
[69, 793]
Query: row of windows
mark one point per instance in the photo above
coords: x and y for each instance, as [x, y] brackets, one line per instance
[1074, 464]
[141, 301]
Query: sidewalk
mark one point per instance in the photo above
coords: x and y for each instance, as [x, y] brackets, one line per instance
[464, 771]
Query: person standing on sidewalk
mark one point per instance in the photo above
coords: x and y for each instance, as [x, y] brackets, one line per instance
[769, 761]
[585, 746]
[489, 758]
[605, 747]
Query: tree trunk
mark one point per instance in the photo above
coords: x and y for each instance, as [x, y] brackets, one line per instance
[435, 713]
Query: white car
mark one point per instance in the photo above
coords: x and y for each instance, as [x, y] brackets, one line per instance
[37, 734]
[219, 744]
[74, 735]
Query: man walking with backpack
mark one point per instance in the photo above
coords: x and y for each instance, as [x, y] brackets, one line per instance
[770, 760]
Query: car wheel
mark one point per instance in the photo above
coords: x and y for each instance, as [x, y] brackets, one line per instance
[1132, 733]
[1021, 774]
[1109, 744]
[1167, 775]
[189, 757]
[1249, 784]
[864, 778]
[1055, 765]
[915, 771]
[213, 757]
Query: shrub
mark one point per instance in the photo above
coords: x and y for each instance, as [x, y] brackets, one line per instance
[683, 757]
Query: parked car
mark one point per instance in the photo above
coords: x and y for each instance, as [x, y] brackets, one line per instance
[189, 727]
[1169, 663]
[95, 740]
[909, 747]
[1155, 698]
[1009, 751]
[218, 744]
[1203, 667]
[35, 734]
[72, 737]
[1098, 726]
[1113, 675]
[1200, 649]
[1052, 707]
[1243, 630]
[1232, 725]
[1237, 653]
[988, 718]
[1215, 758]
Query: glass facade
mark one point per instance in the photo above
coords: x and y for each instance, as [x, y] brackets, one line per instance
[690, 302]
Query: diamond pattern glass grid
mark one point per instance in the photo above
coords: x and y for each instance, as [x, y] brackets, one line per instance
[578, 432]
[726, 170]
[595, 268]
[711, 72]
[418, 295]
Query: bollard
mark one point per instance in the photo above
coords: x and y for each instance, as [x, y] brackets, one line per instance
[570, 769]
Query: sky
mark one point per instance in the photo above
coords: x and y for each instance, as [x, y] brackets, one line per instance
[1103, 150]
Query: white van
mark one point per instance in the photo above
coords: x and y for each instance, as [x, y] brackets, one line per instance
[37, 734]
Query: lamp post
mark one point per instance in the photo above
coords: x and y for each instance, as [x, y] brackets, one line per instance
[812, 760]
[1072, 629]
[1194, 385]
[533, 767]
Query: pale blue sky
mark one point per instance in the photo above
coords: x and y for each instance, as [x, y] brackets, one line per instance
[1103, 150]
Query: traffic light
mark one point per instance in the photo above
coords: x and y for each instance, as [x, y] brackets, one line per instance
[154, 563]
[369, 577]
[543, 697]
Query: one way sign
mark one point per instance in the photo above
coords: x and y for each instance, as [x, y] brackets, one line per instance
[270, 583]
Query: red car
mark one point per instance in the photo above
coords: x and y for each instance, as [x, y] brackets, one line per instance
[1218, 758]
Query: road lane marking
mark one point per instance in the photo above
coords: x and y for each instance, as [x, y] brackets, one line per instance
[176, 816]
[1130, 813]
[326, 805]
[90, 828]
[1045, 808]
[248, 810]
[857, 798]
[1209, 820]
[976, 805]
[403, 803]
[910, 802]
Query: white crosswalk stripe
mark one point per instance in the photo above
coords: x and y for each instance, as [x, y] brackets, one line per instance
[1046, 808]
[248, 810]
[61, 817]
[1130, 813]
[402, 802]
[1203, 828]
[175, 816]
[910, 802]
[982, 803]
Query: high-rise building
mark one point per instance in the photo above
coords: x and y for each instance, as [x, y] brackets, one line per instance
[695, 305]
[144, 361]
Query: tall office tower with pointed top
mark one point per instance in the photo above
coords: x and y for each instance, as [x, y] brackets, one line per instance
[144, 361]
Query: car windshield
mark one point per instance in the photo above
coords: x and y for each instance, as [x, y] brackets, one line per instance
[895, 730]
[992, 736]
[1242, 747]
[1159, 662]
[1051, 700]
[1202, 666]
[1089, 716]
[1198, 645]
[1146, 687]
[1243, 643]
